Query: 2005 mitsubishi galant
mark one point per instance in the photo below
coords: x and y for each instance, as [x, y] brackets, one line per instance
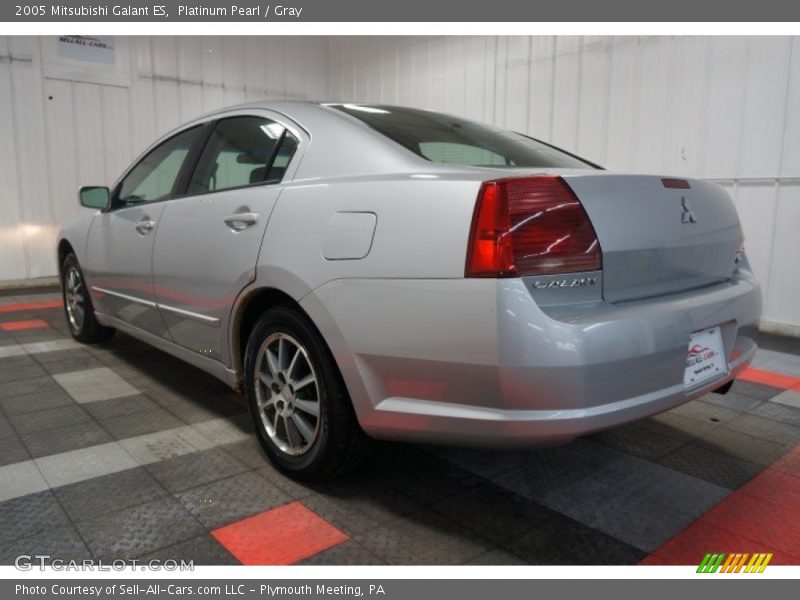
[373, 271]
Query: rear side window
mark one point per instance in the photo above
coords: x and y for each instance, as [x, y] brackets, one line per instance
[238, 153]
[446, 139]
[153, 177]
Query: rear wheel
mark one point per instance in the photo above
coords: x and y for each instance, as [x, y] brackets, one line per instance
[303, 415]
[78, 307]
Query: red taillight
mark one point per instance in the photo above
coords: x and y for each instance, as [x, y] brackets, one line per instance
[530, 226]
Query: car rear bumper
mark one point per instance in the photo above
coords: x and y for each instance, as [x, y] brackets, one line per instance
[479, 362]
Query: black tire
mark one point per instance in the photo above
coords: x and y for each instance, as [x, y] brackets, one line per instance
[85, 329]
[340, 443]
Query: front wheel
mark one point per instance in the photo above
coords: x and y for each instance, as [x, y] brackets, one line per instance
[78, 309]
[303, 415]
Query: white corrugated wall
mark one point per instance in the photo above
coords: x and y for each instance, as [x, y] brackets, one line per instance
[720, 108]
[58, 133]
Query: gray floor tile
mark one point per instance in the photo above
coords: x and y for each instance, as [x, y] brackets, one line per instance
[423, 538]
[296, 490]
[84, 464]
[5, 427]
[69, 365]
[192, 470]
[29, 515]
[203, 550]
[12, 450]
[359, 514]
[20, 373]
[742, 446]
[20, 479]
[347, 553]
[63, 544]
[92, 385]
[705, 412]
[108, 493]
[248, 451]
[733, 400]
[639, 441]
[50, 418]
[140, 530]
[766, 429]
[711, 466]
[163, 445]
[228, 500]
[117, 407]
[496, 557]
[783, 413]
[788, 398]
[754, 390]
[127, 426]
[31, 395]
[64, 439]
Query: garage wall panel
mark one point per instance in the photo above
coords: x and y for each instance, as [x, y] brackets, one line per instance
[721, 108]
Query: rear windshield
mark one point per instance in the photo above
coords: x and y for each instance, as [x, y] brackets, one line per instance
[446, 139]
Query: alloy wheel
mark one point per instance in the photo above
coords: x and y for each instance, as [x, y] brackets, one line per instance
[74, 296]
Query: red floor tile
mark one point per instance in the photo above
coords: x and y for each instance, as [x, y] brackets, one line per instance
[280, 536]
[9, 308]
[761, 516]
[20, 325]
[768, 378]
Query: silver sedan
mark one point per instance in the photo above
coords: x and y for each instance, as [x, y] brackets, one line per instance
[374, 271]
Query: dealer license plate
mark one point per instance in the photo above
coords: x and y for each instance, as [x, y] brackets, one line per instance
[705, 358]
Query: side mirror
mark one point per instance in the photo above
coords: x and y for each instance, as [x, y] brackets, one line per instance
[94, 196]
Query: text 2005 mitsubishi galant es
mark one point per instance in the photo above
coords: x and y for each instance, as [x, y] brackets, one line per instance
[373, 271]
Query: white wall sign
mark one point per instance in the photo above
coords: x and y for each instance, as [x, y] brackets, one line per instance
[89, 48]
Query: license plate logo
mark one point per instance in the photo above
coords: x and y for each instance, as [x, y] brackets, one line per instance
[705, 358]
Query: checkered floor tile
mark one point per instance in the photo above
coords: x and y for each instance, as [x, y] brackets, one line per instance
[120, 451]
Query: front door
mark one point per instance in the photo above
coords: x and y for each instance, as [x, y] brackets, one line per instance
[119, 253]
[208, 241]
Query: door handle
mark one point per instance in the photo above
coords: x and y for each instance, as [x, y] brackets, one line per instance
[241, 221]
[145, 226]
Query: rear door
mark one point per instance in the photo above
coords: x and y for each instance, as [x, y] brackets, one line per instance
[120, 243]
[209, 239]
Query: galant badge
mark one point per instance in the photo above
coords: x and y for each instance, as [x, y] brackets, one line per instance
[688, 215]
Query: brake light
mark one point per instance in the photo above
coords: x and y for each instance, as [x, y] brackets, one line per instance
[530, 226]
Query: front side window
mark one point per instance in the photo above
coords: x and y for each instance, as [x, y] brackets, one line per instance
[239, 153]
[153, 178]
[443, 138]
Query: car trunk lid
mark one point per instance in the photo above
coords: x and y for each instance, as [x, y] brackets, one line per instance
[659, 235]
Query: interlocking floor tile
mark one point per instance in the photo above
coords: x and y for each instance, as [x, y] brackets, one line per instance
[563, 541]
[423, 538]
[707, 464]
[496, 557]
[776, 486]
[29, 515]
[65, 438]
[95, 384]
[733, 400]
[57, 347]
[117, 407]
[162, 445]
[788, 398]
[108, 493]
[11, 350]
[705, 412]
[127, 426]
[767, 429]
[34, 394]
[754, 390]
[296, 490]
[742, 446]
[5, 427]
[63, 544]
[280, 536]
[231, 499]
[22, 325]
[12, 450]
[192, 470]
[16, 374]
[20, 479]
[84, 464]
[639, 441]
[789, 462]
[50, 418]
[345, 553]
[140, 530]
[203, 550]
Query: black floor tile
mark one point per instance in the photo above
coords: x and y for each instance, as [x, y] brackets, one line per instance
[12, 450]
[65, 439]
[140, 530]
[109, 493]
[711, 466]
[754, 390]
[229, 500]
[195, 469]
[30, 515]
[118, 407]
[140, 423]
[563, 541]
[348, 553]
[50, 418]
[779, 412]
[202, 550]
[638, 441]
[63, 544]
[44, 394]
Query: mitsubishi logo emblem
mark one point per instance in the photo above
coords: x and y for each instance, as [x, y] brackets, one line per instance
[688, 213]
